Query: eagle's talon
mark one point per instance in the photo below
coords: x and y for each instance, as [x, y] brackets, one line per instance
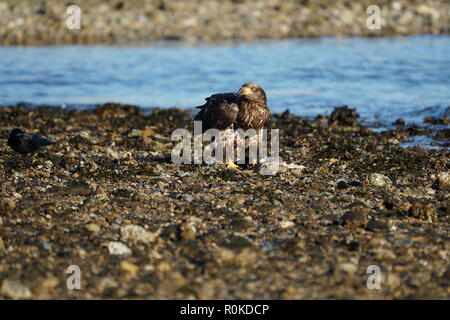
[231, 165]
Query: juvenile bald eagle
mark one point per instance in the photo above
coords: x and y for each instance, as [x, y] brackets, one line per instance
[246, 109]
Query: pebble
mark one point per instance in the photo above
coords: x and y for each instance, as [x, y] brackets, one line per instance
[422, 210]
[379, 180]
[188, 231]
[17, 195]
[15, 290]
[343, 116]
[384, 254]
[347, 267]
[356, 184]
[92, 227]
[129, 267]
[400, 122]
[356, 218]
[113, 153]
[147, 133]
[342, 185]
[443, 180]
[375, 225]
[117, 248]
[44, 245]
[245, 258]
[182, 174]
[106, 283]
[118, 220]
[136, 234]
[286, 224]
[2, 245]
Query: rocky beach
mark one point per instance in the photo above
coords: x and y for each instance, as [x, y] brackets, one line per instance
[107, 198]
[43, 22]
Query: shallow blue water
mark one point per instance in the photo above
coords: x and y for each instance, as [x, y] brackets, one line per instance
[395, 77]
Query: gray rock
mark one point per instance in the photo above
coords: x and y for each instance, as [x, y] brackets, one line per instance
[15, 290]
[375, 225]
[117, 248]
[44, 245]
[443, 180]
[379, 180]
[136, 234]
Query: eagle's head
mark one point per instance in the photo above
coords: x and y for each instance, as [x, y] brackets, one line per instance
[253, 91]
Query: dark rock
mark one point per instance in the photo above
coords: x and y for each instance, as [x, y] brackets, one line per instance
[44, 245]
[116, 110]
[356, 184]
[445, 120]
[172, 232]
[400, 122]
[396, 206]
[375, 225]
[356, 218]
[443, 134]
[342, 185]
[236, 243]
[422, 210]
[343, 116]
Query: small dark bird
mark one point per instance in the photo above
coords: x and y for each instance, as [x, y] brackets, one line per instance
[25, 143]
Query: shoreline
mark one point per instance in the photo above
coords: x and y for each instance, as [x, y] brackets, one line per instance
[164, 43]
[107, 198]
[432, 127]
[112, 21]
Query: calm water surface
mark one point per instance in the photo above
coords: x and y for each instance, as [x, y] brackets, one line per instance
[394, 77]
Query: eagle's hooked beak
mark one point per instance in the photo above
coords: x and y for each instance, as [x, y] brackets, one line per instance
[243, 91]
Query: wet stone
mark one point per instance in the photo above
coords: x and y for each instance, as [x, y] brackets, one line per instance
[422, 210]
[400, 122]
[343, 116]
[93, 228]
[443, 181]
[118, 249]
[15, 290]
[2, 245]
[356, 184]
[236, 243]
[44, 245]
[342, 185]
[116, 110]
[136, 234]
[379, 180]
[375, 225]
[356, 218]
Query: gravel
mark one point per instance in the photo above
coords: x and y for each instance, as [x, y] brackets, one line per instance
[139, 226]
[140, 21]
